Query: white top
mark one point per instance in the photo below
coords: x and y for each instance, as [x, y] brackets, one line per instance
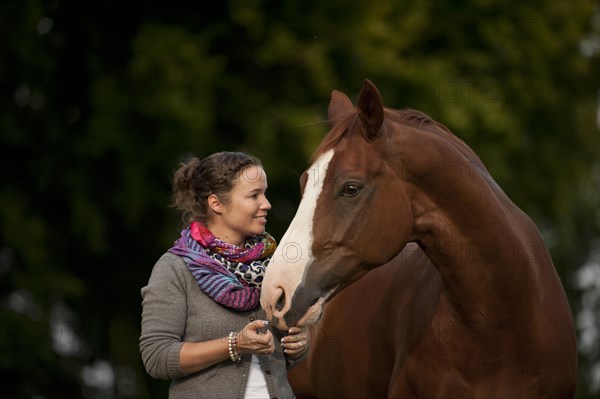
[257, 385]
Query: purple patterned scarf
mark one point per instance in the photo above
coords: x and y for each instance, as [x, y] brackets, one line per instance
[231, 275]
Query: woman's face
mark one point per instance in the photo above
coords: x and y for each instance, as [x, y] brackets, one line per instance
[246, 212]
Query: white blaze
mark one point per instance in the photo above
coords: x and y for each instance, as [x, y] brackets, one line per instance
[294, 250]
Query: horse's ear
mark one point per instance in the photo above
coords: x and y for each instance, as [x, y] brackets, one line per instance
[339, 106]
[370, 110]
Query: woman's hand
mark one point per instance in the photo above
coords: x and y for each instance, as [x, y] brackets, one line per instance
[255, 339]
[296, 342]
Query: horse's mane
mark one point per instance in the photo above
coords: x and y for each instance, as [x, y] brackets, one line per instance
[407, 116]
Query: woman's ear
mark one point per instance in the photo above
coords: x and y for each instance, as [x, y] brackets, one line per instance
[215, 204]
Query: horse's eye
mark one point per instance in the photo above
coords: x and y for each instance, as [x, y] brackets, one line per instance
[350, 190]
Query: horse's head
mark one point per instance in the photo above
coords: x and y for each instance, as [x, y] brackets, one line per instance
[345, 224]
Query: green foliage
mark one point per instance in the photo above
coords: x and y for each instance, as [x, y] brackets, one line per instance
[99, 109]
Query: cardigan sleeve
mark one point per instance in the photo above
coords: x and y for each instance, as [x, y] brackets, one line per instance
[291, 363]
[164, 314]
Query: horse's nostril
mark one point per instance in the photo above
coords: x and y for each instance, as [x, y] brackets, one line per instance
[280, 302]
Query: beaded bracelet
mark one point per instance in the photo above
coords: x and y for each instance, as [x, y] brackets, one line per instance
[232, 346]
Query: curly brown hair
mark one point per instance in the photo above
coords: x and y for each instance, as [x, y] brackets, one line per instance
[196, 179]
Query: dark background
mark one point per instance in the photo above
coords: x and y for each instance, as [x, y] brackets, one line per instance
[101, 100]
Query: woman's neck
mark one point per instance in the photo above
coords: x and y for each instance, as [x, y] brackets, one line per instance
[227, 235]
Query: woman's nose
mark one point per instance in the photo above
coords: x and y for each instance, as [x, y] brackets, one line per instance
[266, 204]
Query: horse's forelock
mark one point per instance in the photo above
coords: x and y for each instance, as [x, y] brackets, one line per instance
[334, 135]
[406, 116]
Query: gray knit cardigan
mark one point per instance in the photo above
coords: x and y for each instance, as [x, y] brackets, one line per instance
[176, 310]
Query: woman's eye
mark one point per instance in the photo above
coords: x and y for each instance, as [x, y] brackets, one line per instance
[350, 190]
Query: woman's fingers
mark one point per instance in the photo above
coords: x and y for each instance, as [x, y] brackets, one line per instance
[256, 338]
[296, 341]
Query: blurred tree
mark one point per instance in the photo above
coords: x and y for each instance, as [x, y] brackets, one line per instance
[103, 99]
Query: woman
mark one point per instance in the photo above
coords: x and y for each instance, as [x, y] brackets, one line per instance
[202, 325]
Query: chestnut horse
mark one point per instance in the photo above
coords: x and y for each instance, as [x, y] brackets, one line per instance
[470, 305]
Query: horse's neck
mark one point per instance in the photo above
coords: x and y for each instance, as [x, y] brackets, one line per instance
[474, 235]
